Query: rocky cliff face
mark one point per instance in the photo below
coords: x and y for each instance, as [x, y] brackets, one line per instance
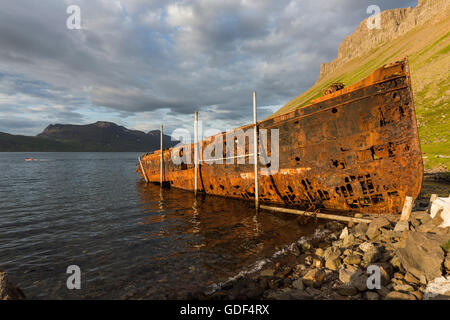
[394, 23]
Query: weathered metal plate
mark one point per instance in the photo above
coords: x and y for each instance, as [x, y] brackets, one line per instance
[356, 149]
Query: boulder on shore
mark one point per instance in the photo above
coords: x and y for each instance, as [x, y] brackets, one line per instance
[422, 255]
[375, 226]
[7, 290]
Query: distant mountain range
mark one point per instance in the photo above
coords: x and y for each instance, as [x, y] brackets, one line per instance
[96, 137]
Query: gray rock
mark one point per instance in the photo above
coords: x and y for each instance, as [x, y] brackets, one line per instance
[306, 246]
[313, 292]
[374, 227]
[360, 229]
[347, 273]
[390, 235]
[287, 294]
[347, 290]
[352, 259]
[403, 287]
[421, 217]
[447, 263]
[334, 225]
[396, 262]
[7, 290]
[319, 252]
[267, 272]
[410, 278]
[372, 255]
[317, 263]
[347, 252]
[338, 243]
[370, 295]
[308, 260]
[383, 291]
[352, 276]
[386, 271]
[422, 255]
[360, 282]
[348, 240]
[398, 275]
[401, 226]
[396, 295]
[365, 246]
[344, 233]
[333, 263]
[299, 269]
[294, 250]
[332, 258]
[298, 284]
[314, 278]
[430, 225]
[417, 294]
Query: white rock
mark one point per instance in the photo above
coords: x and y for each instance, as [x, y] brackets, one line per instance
[441, 205]
[344, 233]
[366, 246]
[439, 286]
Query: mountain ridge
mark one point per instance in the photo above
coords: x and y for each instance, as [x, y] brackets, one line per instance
[423, 34]
[394, 22]
[101, 136]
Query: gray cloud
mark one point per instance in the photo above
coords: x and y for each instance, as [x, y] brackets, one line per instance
[149, 62]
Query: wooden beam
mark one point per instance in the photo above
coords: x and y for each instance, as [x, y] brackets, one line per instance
[318, 215]
[403, 222]
[143, 171]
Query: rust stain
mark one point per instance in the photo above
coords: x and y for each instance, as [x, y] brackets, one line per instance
[354, 149]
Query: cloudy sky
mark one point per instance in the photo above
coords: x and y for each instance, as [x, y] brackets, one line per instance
[140, 63]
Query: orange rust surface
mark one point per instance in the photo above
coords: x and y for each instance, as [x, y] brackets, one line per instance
[356, 149]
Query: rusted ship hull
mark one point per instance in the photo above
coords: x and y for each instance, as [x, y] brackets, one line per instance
[356, 149]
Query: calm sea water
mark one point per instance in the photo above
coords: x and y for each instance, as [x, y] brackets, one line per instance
[130, 240]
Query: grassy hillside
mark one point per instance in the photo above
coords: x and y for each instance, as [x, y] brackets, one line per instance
[428, 48]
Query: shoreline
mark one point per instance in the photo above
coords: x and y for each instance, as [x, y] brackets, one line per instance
[330, 264]
[413, 265]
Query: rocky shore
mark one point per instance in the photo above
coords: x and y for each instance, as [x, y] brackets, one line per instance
[7, 290]
[338, 262]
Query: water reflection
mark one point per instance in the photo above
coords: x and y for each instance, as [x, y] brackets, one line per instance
[220, 236]
[130, 240]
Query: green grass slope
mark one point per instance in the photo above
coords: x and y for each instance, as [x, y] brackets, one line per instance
[427, 47]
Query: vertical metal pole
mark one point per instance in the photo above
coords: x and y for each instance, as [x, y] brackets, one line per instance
[196, 153]
[255, 150]
[162, 160]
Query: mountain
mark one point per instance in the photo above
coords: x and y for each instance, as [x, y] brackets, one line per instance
[100, 136]
[423, 34]
[18, 143]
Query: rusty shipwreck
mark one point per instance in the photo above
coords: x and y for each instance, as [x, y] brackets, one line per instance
[354, 149]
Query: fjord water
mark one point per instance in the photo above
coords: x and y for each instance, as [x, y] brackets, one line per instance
[130, 240]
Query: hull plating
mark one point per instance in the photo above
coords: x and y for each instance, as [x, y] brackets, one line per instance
[356, 149]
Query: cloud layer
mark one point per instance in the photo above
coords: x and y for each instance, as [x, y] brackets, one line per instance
[142, 63]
